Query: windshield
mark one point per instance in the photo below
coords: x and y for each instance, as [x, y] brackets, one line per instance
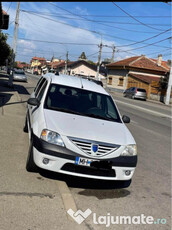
[82, 102]
[19, 72]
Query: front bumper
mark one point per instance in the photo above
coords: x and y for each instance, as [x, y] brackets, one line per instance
[62, 160]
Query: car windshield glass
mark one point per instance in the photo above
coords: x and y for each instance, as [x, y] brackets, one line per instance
[82, 102]
[141, 90]
[19, 72]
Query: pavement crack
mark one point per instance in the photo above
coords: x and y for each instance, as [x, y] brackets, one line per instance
[41, 195]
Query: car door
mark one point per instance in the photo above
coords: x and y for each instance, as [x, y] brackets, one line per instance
[35, 94]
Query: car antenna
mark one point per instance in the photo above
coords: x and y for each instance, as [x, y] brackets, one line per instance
[81, 82]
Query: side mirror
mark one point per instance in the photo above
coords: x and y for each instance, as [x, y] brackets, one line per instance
[125, 119]
[33, 101]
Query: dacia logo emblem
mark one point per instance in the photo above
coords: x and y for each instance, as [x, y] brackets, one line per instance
[94, 148]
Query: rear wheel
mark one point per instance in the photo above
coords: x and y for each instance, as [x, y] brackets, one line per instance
[30, 164]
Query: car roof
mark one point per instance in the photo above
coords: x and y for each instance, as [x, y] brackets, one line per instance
[76, 82]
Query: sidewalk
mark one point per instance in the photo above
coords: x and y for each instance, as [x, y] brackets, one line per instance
[28, 200]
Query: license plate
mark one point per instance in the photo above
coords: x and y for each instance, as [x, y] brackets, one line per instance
[83, 161]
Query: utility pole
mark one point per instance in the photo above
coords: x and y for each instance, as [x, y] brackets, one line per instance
[10, 83]
[66, 62]
[113, 54]
[99, 59]
[168, 93]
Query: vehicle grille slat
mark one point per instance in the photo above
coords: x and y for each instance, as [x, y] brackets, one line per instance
[86, 147]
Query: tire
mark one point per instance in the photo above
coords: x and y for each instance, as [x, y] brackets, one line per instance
[25, 128]
[30, 164]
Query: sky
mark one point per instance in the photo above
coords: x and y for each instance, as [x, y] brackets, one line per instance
[49, 29]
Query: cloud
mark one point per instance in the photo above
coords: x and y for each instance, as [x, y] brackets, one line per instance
[39, 28]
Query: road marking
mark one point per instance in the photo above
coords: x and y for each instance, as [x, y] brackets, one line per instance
[67, 197]
[146, 110]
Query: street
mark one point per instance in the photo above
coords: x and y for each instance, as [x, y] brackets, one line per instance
[37, 200]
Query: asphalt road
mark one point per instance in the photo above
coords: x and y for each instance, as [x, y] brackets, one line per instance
[148, 194]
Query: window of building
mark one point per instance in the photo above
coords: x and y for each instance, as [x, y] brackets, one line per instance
[121, 81]
[110, 81]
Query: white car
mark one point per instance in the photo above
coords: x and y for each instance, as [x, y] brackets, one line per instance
[75, 128]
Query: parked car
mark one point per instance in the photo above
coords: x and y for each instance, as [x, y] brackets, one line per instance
[135, 92]
[77, 129]
[19, 75]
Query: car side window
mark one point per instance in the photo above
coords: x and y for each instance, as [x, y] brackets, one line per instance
[38, 83]
[39, 86]
[42, 90]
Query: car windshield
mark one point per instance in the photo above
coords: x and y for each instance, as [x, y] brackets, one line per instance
[141, 90]
[19, 72]
[82, 102]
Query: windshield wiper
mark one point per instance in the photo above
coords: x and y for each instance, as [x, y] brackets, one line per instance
[65, 110]
[100, 117]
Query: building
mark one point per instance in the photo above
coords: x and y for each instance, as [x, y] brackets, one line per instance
[37, 63]
[82, 68]
[139, 71]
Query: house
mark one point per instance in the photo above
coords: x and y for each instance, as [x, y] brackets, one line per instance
[81, 67]
[139, 71]
[37, 63]
[4, 20]
[22, 65]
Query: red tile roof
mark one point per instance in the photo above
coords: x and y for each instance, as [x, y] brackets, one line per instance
[39, 58]
[145, 78]
[140, 62]
[163, 63]
[3, 12]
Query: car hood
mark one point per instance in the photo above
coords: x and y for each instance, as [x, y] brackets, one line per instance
[87, 128]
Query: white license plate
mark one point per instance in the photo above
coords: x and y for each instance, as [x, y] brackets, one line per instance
[83, 161]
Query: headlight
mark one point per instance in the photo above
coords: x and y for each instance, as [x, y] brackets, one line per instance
[130, 150]
[52, 137]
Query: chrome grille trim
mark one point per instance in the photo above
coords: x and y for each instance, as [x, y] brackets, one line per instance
[86, 146]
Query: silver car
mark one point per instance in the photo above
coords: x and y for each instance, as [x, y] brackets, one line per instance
[19, 75]
[135, 92]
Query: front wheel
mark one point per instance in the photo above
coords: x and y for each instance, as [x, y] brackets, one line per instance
[30, 164]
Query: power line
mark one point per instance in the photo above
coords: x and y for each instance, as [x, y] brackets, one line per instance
[99, 33]
[109, 16]
[137, 31]
[147, 38]
[63, 43]
[134, 17]
[9, 6]
[83, 18]
[149, 44]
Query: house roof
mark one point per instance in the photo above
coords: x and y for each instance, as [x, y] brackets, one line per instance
[39, 58]
[77, 63]
[145, 78]
[163, 63]
[140, 62]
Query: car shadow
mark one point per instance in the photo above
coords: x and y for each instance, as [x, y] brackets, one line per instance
[6, 92]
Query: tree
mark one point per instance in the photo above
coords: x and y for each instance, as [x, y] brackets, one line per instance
[82, 56]
[5, 50]
[91, 62]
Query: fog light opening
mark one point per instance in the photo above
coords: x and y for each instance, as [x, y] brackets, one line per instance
[127, 172]
[45, 161]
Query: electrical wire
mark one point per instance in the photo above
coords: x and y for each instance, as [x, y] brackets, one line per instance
[134, 17]
[99, 33]
[9, 7]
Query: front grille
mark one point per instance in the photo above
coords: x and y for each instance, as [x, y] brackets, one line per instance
[86, 147]
[88, 170]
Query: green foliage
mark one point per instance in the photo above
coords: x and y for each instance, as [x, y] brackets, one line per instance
[91, 62]
[5, 50]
